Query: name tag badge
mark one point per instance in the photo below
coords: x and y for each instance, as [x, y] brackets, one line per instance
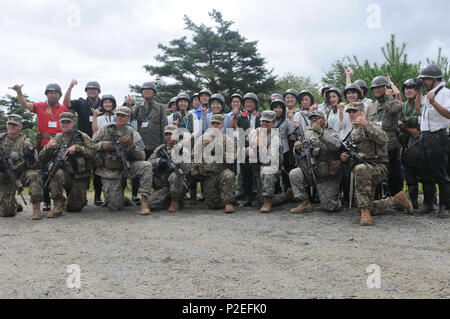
[145, 124]
[380, 124]
[91, 118]
[52, 124]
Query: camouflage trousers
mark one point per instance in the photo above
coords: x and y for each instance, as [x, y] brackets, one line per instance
[366, 180]
[219, 189]
[266, 180]
[30, 179]
[113, 188]
[328, 190]
[173, 188]
[77, 190]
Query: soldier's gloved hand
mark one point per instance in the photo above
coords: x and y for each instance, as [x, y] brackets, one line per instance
[298, 146]
[163, 165]
[128, 140]
[107, 146]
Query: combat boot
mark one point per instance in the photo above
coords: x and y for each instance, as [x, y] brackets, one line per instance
[267, 206]
[37, 214]
[304, 207]
[366, 219]
[403, 201]
[229, 209]
[19, 207]
[127, 202]
[288, 196]
[145, 210]
[57, 209]
[174, 206]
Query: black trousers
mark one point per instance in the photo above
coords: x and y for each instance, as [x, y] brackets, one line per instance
[436, 149]
[395, 174]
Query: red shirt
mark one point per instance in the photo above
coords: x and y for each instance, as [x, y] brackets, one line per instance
[48, 119]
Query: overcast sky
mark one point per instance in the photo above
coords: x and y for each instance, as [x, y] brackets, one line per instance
[47, 41]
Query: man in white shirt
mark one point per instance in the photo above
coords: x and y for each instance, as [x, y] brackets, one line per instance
[434, 124]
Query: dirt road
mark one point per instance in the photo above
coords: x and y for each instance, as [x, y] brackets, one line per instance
[199, 253]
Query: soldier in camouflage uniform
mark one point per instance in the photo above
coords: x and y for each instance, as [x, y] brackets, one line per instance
[215, 172]
[266, 170]
[371, 142]
[168, 187]
[326, 147]
[74, 174]
[110, 167]
[23, 159]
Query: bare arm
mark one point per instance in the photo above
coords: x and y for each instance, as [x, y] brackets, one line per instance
[66, 101]
[21, 98]
[348, 79]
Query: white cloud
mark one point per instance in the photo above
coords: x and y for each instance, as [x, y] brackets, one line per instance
[115, 39]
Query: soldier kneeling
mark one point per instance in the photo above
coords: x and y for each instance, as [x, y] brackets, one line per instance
[120, 153]
[167, 185]
[22, 160]
[215, 172]
[71, 155]
[324, 145]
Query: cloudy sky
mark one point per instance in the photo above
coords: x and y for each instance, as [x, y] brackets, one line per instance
[47, 41]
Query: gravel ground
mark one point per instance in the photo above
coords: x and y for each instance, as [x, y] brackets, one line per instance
[200, 253]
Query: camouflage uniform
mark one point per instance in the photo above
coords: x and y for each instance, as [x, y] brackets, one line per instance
[109, 166]
[74, 174]
[327, 164]
[267, 174]
[151, 118]
[24, 162]
[217, 178]
[166, 184]
[372, 146]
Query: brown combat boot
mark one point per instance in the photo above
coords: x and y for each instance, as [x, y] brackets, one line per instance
[127, 202]
[174, 206]
[57, 209]
[19, 207]
[267, 206]
[366, 219]
[145, 210]
[229, 209]
[403, 201]
[37, 214]
[304, 207]
[288, 196]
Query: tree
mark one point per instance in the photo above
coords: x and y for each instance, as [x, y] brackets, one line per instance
[10, 105]
[292, 81]
[336, 75]
[217, 58]
[396, 65]
[442, 62]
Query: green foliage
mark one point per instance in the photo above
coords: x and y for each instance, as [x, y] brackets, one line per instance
[336, 75]
[396, 65]
[299, 83]
[442, 62]
[11, 105]
[217, 58]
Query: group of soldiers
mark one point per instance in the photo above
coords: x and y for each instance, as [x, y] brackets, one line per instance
[166, 157]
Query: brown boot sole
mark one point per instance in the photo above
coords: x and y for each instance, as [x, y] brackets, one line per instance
[36, 217]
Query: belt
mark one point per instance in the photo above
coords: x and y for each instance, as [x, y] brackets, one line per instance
[48, 135]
